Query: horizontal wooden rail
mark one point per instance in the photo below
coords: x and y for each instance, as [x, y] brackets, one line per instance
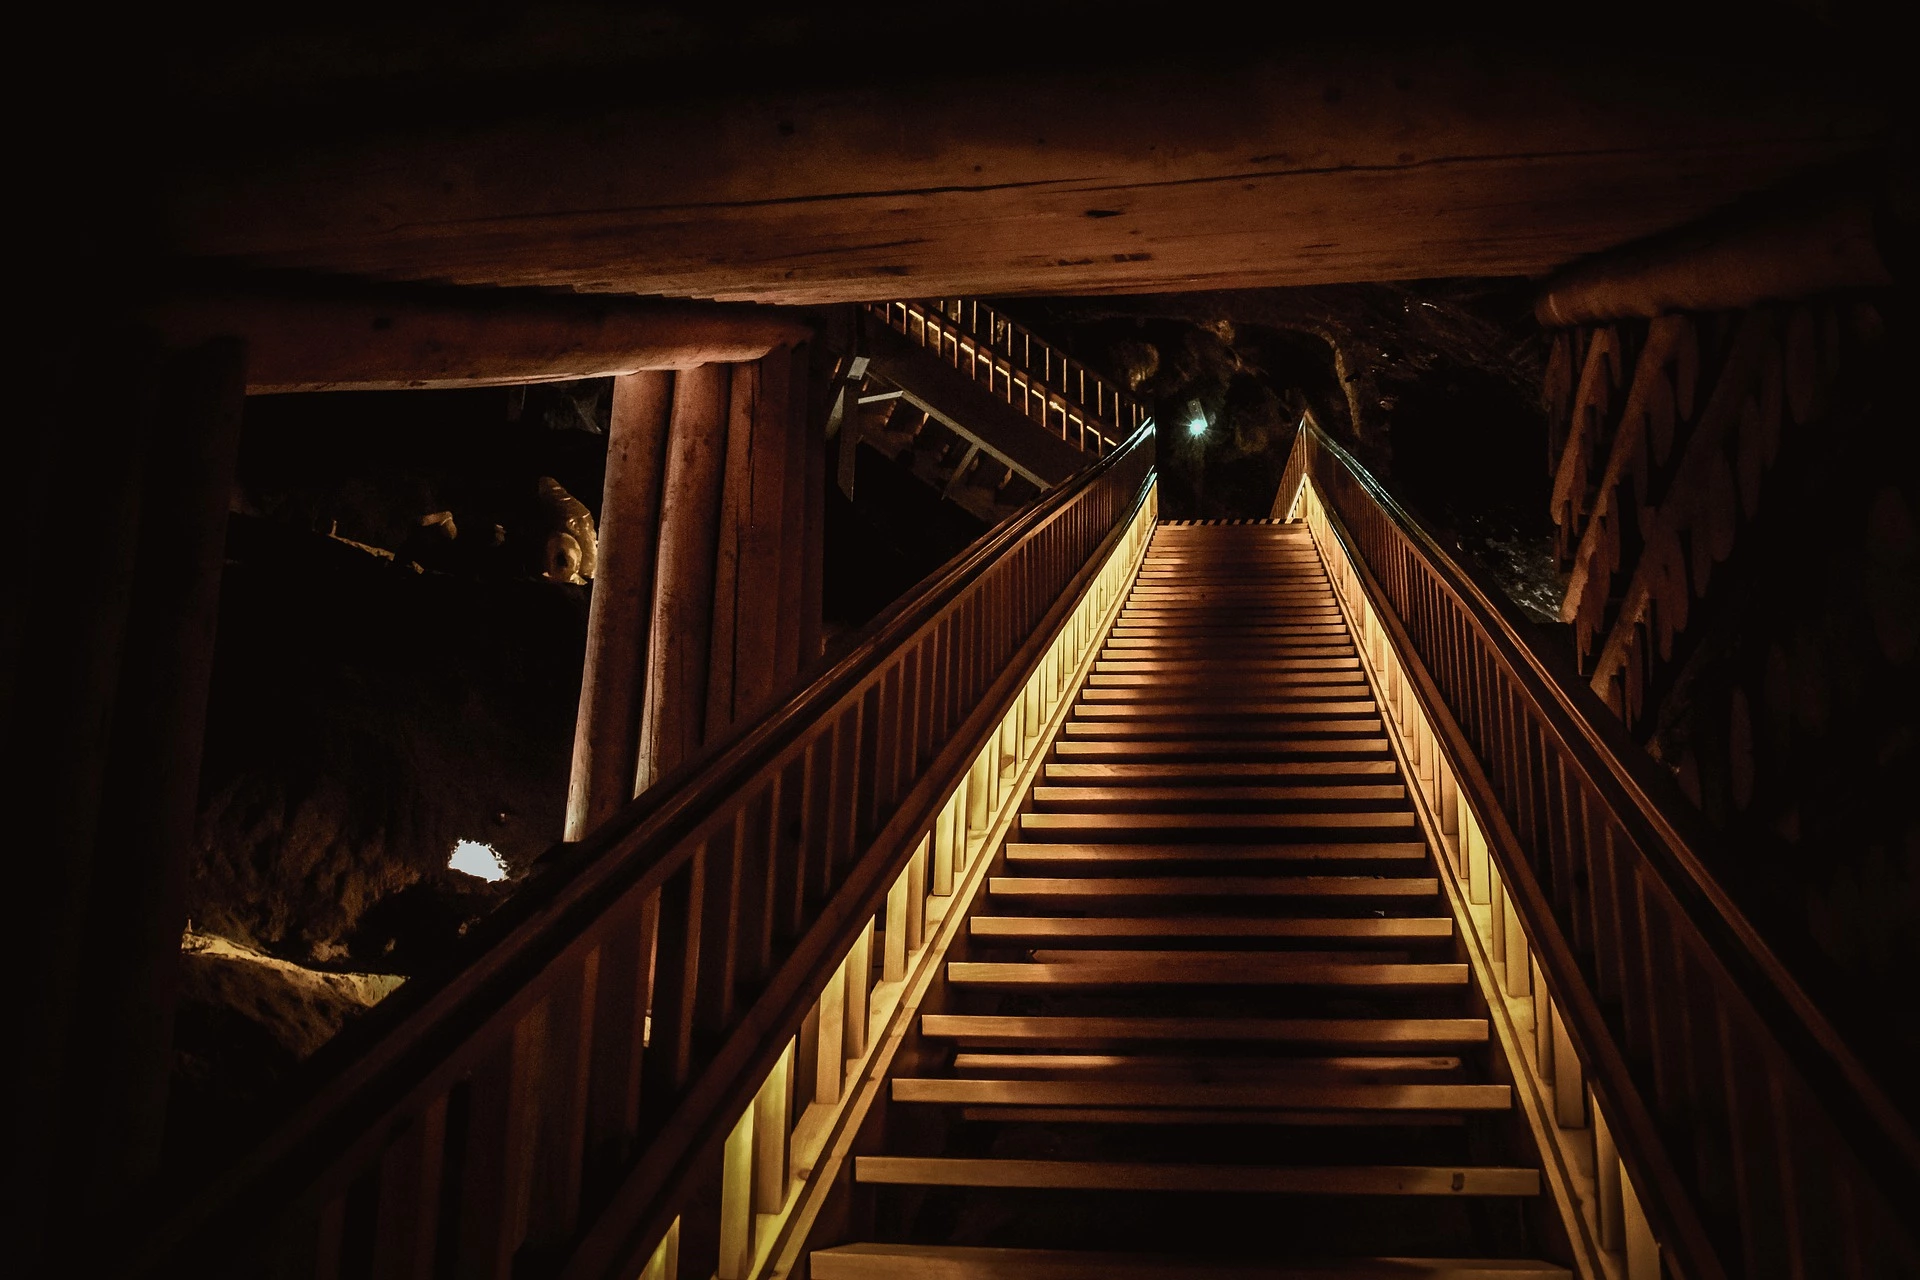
[1037, 379]
[561, 1102]
[1751, 1141]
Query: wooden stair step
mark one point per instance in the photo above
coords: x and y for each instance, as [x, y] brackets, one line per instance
[1233, 749]
[1253, 1116]
[1214, 955]
[1075, 1175]
[1203, 1094]
[1297, 684]
[1356, 929]
[1006, 1029]
[1351, 851]
[1197, 969]
[1233, 692]
[958, 1262]
[1219, 725]
[1198, 1066]
[1213, 886]
[1154, 625]
[1221, 667]
[1133, 823]
[1351, 793]
[1150, 773]
[1290, 708]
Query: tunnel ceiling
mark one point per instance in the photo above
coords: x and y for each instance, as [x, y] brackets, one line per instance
[796, 163]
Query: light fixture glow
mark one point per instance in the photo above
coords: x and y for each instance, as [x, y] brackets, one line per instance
[1198, 427]
[478, 860]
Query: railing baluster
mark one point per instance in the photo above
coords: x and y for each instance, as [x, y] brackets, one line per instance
[677, 977]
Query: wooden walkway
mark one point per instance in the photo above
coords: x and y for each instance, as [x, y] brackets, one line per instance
[1210, 1017]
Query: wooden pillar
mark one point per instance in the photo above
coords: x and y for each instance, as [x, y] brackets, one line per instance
[789, 643]
[746, 589]
[814, 500]
[678, 652]
[606, 740]
[150, 796]
[62, 636]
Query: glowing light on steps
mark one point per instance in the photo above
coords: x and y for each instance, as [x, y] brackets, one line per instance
[477, 859]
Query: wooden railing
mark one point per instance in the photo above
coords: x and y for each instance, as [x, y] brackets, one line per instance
[1712, 1122]
[1041, 382]
[571, 1100]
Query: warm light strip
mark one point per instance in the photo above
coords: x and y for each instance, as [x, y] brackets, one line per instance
[771, 1188]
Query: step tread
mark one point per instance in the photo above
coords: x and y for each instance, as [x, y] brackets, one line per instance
[1214, 886]
[1349, 851]
[1044, 1029]
[1221, 793]
[1149, 773]
[963, 1262]
[1195, 968]
[1055, 928]
[1290, 1094]
[1089, 1175]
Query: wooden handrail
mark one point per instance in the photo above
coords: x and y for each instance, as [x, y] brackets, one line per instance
[1093, 414]
[559, 1090]
[1756, 1137]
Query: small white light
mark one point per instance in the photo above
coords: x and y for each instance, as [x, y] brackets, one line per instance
[477, 859]
[1198, 427]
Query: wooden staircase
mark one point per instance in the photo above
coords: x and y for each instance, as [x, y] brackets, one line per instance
[1211, 1016]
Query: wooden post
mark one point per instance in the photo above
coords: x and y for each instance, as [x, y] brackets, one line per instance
[830, 1070]
[746, 588]
[1606, 1165]
[123, 1055]
[943, 842]
[736, 1199]
[678, 654]
[791, 538]
[1569, 1081]
[980, 791]
[859, 970]
[1642, 1250]
[63, 634]
[1519, 958]
[606, 739]
[773, 1135]
[814, 508]
[917, 895]
[893, 961]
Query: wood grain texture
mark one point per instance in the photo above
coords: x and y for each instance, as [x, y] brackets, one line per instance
[1318, 166]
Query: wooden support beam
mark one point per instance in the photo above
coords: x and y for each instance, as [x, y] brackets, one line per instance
[426, 339]
[1764, 251]
[1299, 168]
[679, 656]
[747, 565]
[606, 740]
[122, 1059]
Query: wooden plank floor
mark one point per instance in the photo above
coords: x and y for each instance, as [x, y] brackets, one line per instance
[1210, 1016]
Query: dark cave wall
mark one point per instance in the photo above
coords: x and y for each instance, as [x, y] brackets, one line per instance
[1785, 698]
[384, 688]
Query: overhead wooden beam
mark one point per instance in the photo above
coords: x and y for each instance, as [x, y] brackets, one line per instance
[387, 340]
[1776, 250]
[1321, 165]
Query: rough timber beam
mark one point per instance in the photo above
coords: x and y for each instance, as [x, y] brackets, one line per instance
[1784, 249]
[1320, 167]
[406, 339]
